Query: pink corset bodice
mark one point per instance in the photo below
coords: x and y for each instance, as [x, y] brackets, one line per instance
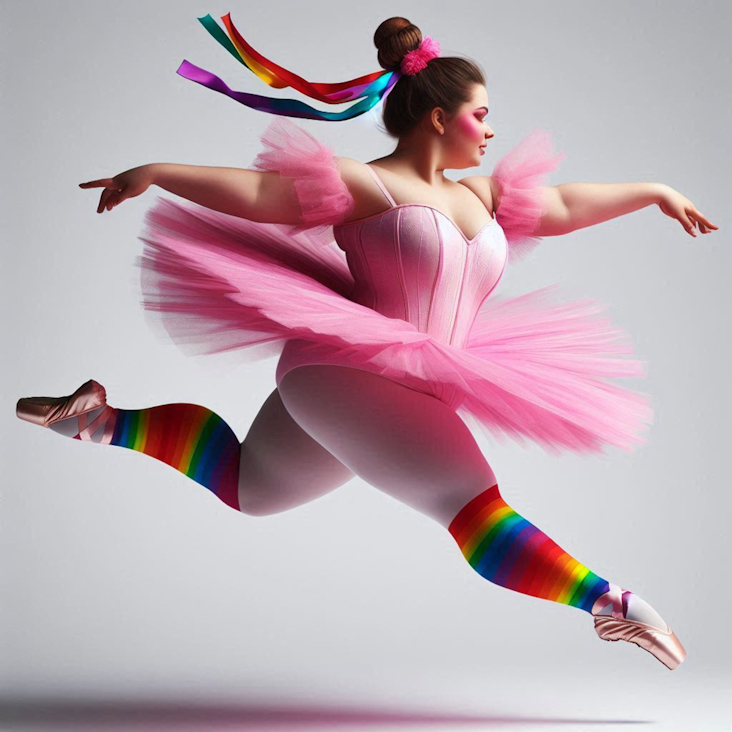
[412, 262]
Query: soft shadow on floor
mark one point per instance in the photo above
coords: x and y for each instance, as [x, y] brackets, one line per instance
[161, 715]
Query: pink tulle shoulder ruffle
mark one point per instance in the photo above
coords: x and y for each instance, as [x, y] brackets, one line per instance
[521, 174]
[325, 199]
[294, 153]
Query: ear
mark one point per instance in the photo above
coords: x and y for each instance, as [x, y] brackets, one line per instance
[437, 118]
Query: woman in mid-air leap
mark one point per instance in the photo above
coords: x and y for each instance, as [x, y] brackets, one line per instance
[371, 280]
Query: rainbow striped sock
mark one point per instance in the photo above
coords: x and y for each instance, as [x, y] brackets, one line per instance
[190, 438]
[506, 549]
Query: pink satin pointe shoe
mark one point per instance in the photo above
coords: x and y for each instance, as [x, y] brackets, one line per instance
[659, 641]
[48, 411]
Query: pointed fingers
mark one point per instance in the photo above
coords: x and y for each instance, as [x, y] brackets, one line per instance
[104, 199]
[99, 183]
[705, 225]
[688, 223]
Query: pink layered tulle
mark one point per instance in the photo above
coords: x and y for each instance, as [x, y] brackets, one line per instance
[521, 173]
[294, 153]
[533, 368]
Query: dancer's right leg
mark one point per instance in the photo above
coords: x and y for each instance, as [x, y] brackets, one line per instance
[277, 467]
[282, 466]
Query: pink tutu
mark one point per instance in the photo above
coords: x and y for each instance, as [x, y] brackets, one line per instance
[527, 367]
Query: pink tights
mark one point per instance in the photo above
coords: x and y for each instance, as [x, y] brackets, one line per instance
[326, 423]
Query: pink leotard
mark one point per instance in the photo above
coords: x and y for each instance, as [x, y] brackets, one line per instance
[403, 294]
[412, 262]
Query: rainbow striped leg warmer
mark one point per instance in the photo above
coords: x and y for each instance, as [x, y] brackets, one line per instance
[506, 549]
[190, 438]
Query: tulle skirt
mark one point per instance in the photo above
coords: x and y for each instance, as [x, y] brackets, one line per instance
[533, 368]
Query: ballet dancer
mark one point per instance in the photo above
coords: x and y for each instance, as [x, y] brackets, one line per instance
[372, 279]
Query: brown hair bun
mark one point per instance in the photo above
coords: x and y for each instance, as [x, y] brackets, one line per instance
[394, 38]
[446, 81]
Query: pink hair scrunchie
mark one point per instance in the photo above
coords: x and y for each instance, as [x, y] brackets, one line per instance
[414, 61]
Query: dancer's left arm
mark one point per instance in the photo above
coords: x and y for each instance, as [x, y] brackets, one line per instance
[572, 206]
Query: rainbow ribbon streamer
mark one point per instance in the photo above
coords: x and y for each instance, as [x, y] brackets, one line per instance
[371, 87]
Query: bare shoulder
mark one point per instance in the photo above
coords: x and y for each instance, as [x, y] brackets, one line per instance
[486, 188]
[355, 176]
[366, 196]
[352, 171]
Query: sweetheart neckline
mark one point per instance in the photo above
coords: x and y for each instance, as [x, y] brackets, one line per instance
[490, 222]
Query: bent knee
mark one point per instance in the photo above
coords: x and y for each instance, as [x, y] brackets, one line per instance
[296, 474]
[265, 498]
[256, 505]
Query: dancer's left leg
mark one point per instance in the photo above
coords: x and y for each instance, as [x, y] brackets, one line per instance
[506, 549]
[415, 448]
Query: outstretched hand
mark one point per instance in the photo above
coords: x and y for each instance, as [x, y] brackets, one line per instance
[126, 185]
[679, 207]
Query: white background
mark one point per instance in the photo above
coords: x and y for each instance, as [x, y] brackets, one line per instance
[125, 582]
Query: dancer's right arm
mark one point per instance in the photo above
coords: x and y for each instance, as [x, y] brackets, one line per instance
[258, 196]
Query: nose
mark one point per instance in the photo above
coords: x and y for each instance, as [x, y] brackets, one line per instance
[489, 133]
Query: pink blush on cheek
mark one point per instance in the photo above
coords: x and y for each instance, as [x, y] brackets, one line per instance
[469, 126]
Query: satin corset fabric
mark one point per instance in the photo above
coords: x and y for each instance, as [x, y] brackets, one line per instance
[413, 262]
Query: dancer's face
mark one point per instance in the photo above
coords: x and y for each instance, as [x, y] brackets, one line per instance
[466, 130]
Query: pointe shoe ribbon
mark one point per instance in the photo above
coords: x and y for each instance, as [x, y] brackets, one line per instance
[45, 411]
[88, 430]
[615, 595]
[660, 642]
